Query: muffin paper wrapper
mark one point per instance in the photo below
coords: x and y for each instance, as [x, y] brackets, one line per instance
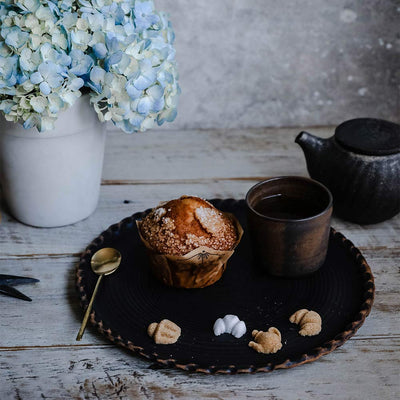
[197, 269]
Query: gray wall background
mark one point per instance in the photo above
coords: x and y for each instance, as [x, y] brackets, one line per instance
[257, 63]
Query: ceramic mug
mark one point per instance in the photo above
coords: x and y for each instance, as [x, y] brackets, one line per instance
[289, 224]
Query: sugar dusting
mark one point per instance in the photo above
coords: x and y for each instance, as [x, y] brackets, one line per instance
[159, 229]
[210, 219]
[158, 213]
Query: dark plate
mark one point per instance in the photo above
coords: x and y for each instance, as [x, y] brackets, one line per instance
[342, 291]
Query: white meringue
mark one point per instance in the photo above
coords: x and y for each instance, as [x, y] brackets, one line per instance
[219, 327]
[239, 329]
[229, 324]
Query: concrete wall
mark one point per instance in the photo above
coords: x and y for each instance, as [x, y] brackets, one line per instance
[254, 63]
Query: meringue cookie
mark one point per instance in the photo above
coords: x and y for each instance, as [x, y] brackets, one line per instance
[229, 324]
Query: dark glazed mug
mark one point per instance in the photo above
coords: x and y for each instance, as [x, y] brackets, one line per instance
[289, 224]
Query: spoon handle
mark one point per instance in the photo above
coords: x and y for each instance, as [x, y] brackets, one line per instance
[88, 310]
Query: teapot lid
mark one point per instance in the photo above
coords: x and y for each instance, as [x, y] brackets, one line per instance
[369, 136]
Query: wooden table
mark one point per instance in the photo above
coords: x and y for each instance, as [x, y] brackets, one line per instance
[39, 357]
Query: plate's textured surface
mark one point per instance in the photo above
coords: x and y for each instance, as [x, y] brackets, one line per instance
[342, 291]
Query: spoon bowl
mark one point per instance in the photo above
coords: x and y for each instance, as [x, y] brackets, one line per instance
[104, 262]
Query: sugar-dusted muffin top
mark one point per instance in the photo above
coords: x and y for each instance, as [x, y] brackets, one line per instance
[182, 225]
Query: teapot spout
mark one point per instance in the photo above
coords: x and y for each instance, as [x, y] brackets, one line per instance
[310, 143]
[314, 149]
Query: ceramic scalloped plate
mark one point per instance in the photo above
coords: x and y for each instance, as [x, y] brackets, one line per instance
[342, 291]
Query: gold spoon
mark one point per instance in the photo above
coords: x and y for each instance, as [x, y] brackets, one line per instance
[104, 262]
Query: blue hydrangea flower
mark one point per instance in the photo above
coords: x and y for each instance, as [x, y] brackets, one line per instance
[14, 37]
[144, 15]
[122, 50]
[29, 5]
[100, 50]
[81, 63]
[8, 71]
[49, 76]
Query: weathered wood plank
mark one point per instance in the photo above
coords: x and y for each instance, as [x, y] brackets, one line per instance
[39, 357]
[159, 157]
[54, 315]
[163, 155]
[18, 239]
[358, 370]
[116, 202]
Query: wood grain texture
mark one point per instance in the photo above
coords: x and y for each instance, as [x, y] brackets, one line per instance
[204, 154]
[39, 357]
[356, 370]
[119, 201]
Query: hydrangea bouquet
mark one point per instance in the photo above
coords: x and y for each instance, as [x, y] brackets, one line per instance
[120, 51]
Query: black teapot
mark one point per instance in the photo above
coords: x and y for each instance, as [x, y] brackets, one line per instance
[360, 165]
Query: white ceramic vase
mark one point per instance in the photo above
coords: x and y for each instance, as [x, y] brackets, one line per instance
[53, 178]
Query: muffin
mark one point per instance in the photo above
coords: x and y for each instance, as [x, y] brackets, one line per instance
[189, 241]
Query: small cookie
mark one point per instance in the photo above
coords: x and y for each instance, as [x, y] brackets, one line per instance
[266, 342]
[165, 332]
[152, 328]
[310, 322]
[229, 324]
